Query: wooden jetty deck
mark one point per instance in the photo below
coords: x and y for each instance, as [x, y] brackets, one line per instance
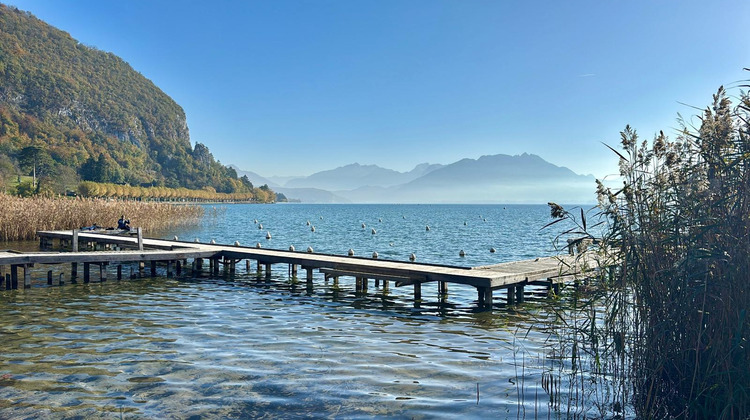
[103, 249]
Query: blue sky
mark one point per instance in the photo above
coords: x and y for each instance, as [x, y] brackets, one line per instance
[295, 87]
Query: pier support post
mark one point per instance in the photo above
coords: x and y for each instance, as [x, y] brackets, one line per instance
[119, 271]
[178, 267]
[511, 295]
[153, 268]
[216, 266]
[268, 270]
[75, 240]
[294, 270]
[519, 293]
[309, 274]
[49, 278]
[140, 238]
[487, 297]
[86, 272]
[377, 283]
[442, 289]
[417, 291]
[385, 285]
[8, 282]
[73, 272]
[102, 272]
[260, 267]
[247, 266]
[27, 276]
[169, 268]
[198, 263]
[61, 281]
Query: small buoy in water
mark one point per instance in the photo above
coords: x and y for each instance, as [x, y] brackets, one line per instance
[428, 228]
[236, 243]
[312, 229]
[403, 216]
[309, 249]
[255, 221]
[291, 247]
[390, 244]
[464, 223]
[375, 255]
[321, 217]
[176, 238]
[308, 223]
[197, 240]
[374, 231]
[492, 250]
[268, 235]
[351, 252]
[258, 245]
[260, 226]
[363, 226]
[461, 253]
[412, 257]
[212, 241]
[380, 220]
[485, 220]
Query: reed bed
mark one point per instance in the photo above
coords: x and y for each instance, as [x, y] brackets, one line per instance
[21, 218]
[670, 324]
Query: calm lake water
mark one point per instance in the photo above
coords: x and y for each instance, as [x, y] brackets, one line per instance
[248, 347]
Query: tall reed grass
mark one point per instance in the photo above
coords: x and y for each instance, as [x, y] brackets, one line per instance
[675, 321]
[21, 218]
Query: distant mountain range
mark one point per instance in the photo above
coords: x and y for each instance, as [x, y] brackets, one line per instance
[524, 178]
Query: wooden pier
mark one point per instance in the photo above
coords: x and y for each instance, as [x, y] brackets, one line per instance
[101, 250]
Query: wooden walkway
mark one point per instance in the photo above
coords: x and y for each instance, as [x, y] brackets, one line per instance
[104, 249]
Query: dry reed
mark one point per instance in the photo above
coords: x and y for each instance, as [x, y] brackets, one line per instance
[21, 218]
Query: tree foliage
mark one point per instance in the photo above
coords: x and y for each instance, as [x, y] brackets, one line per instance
[89, 110]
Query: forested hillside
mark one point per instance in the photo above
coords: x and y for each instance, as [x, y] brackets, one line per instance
[71, 113]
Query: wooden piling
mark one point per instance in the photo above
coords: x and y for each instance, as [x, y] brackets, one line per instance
[169, 268]
[417, 291]
[75, 240]
[49, 277]
[86, 272]
[73, 272]
[102, 272]
[153, 268]
[119, 271]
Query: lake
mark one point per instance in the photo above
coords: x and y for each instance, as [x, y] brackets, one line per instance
[251, 347]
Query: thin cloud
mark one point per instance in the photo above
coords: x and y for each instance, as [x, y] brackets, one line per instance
[587, 75]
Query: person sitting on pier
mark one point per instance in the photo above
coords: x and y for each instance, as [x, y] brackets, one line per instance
[123, 223]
